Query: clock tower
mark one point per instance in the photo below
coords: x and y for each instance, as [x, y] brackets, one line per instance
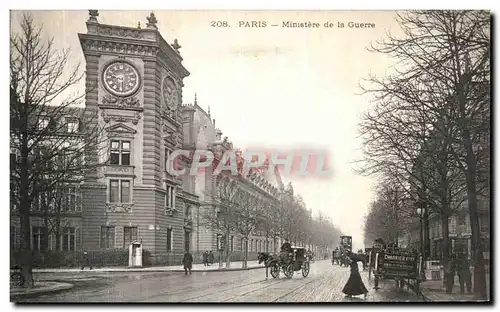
[134, 81]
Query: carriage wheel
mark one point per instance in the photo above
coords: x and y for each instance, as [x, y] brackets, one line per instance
[305, 269]
[275, 271]
[289, 271]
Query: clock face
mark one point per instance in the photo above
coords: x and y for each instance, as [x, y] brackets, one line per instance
[121, 78]
[169, 92]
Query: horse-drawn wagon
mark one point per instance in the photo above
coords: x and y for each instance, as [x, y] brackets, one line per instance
[392, 263]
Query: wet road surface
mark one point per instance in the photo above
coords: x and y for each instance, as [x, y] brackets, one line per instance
[323, 284]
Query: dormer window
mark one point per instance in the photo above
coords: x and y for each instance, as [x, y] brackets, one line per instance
[72, 125]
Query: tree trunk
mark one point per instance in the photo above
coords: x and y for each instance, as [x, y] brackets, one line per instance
[245, 253]
[25, 208]
[26, 254]
[477, 250]
[447, 265]
[228, 251]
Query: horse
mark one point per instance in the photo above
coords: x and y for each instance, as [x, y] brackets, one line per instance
[268, 259]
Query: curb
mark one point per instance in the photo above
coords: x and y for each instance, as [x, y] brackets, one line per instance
[132, 270]
[41, 291]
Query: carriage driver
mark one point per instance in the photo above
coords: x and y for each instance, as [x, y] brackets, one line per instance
[286, 250]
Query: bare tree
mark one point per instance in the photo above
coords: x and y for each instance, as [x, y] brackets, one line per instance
[250, 211]
[442, 81]
[224, 218]
[47, 154]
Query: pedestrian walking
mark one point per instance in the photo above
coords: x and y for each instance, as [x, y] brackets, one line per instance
[86, 260]
[211, 257]
[188, 262]
[205, 258]
[463, 271]
[354, 285]
[204, 255]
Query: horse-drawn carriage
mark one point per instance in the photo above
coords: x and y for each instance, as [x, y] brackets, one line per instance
[288, 264]
[392, 263]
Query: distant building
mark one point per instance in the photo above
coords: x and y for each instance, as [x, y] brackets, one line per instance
[201, 133]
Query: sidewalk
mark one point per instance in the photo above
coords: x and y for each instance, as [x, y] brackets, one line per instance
[435, 291]
[234, 266]
[40, 288]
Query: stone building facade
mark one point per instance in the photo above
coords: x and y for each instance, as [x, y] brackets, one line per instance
[200, 132]
[134, 81]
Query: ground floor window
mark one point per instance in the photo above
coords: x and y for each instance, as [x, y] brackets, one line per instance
[39, 242]
[107, 237]
[169, 239]
[68, 239]
[187, 240]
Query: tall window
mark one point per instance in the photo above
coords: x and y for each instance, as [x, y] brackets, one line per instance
[452, 224]
[169, 239]
[72, 199]
[187, 240]
[187, 212]
[38, 235]
[68, 239]
[170, 196]
[119, 191]
[120, 152]
[232, 243]
[72, 125]
[129, 235]
[107, 237]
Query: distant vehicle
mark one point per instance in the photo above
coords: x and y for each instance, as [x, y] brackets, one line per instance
[345, 246]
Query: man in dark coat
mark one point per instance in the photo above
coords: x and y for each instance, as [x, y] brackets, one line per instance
[188, 262]
[463, 271]
[86, 260]
[286, 250]
[211, 257]
[205, 258]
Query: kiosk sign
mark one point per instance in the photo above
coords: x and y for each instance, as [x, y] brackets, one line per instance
[400, 262]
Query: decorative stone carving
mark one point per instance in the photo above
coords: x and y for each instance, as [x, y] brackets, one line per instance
[119, 207]
[171, 211]
[96, 45]
[105, 117]
[118, 170]
[119, 32]
[134, 119]
[176, 45]
[152, 21]
[93, 14]
[120, 102]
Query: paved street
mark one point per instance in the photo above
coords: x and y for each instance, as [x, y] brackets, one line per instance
[324, 284]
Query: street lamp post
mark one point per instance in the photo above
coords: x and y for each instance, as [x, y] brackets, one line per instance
[421, 214]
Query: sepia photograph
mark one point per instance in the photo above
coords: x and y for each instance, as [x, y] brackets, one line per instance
[250, 156]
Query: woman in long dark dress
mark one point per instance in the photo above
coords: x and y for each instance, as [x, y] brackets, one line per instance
[354, 286]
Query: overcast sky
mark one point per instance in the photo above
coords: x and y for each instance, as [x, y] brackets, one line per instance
[276, 87]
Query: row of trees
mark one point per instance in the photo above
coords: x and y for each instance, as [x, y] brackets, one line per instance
[242, 209]
[47, 147]
[427, 136]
